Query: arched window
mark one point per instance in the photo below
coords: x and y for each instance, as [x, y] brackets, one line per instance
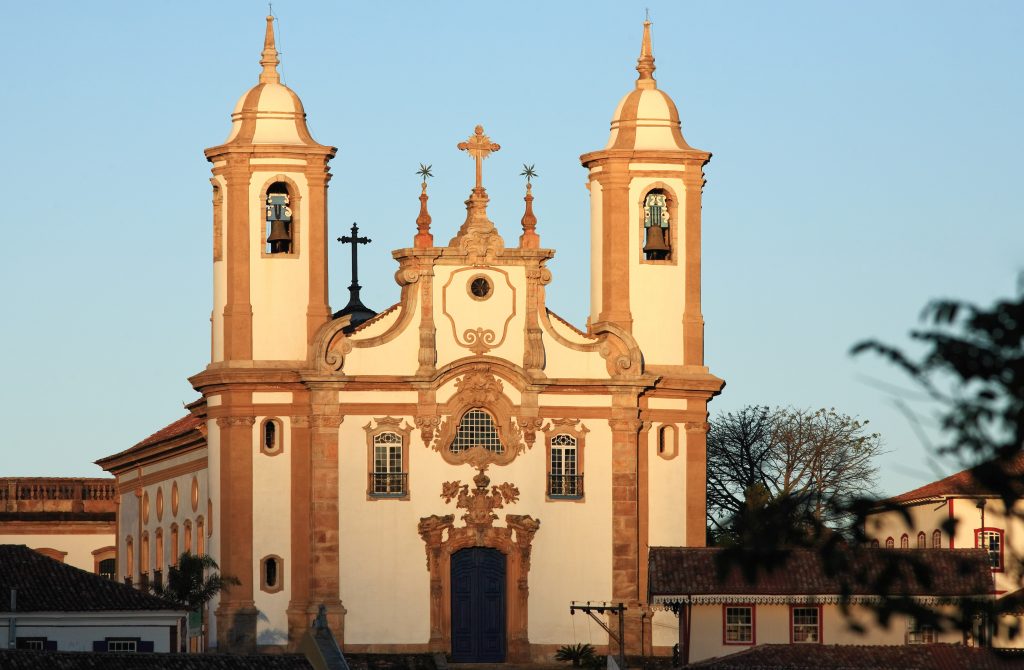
[937, 539]
[200, 537]
[388, 476]
[477, 429]
[129, 557]
[874, 544]
[904, 541]
[270, 437]
[922, 540]
[144, 564]
[668, 441]
[656, 223]
[159, 549]
[188, 536]
[271, 574]
[889, 544]
[564, 478]
[279, 219]
[174, 544]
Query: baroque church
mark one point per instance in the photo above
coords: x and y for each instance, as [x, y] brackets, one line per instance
[449, 474]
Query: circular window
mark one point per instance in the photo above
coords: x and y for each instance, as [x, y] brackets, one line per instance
[480, 287]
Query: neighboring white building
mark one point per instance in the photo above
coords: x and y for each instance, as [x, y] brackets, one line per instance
[800, 602]
[45, 604]
[70, 519]
[958, 512]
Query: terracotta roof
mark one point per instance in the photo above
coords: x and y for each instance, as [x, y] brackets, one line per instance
[46, 585]
[678, 571]
[175, 429]
[863, 657]
[571, 327]
[963, 483]
[70, 660]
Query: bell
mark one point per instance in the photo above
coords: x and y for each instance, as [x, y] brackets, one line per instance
[656, 247]
[278, 232]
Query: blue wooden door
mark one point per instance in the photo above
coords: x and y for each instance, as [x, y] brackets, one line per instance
[478, 606]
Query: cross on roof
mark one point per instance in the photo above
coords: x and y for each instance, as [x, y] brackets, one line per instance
[479, 147]
[355, 306]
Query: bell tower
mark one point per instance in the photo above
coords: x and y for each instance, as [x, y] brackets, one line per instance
[645, 203]
[269, 225]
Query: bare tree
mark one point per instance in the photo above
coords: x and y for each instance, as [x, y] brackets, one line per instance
[817, 461]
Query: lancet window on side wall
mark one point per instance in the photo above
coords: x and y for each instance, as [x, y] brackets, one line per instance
[279, 229]
[477, 429]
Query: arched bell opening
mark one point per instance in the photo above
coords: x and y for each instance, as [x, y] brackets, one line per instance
[279, 223]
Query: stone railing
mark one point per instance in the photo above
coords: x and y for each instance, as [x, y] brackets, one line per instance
[57, 494]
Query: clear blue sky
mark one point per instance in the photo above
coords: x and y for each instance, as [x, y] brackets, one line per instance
[866, 159]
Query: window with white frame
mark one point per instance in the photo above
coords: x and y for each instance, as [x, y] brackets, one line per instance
[806, 623]
[564, 478]
[122, 645]
[991, 540]
[477, 429]
[919, 633]
[388, 477]
[739, 624]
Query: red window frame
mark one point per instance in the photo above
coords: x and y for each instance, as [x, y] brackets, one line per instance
[821, 627]
[753, 624]
[1002, 544]
[904, 541]
[889, 544]
[922, 540]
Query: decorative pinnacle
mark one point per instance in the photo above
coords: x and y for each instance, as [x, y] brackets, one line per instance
[269, 61]
[529, 239]
[479, 147]
[423, 239]
[645, 64]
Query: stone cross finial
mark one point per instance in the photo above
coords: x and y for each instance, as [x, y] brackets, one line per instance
[479, 147]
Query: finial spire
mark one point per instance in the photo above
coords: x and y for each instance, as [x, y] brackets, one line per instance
[645, 64]
[423, 239]
[529, 239]
[269, 61]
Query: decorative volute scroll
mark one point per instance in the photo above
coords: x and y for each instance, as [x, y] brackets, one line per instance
[476, 390]
[442, 539]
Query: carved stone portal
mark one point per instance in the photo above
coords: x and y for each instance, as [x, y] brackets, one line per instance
[443, 539]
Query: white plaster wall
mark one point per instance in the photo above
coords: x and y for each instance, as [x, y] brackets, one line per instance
[79, 547]
[279, 287]
[771, 624]
[271, 480]
[666, 497]
[211, 492]
[76, 632]
[596, 247]
[451, 297]
[128, 524]
[656, 290]
[184, 512]
[397, 357]
[571, 557]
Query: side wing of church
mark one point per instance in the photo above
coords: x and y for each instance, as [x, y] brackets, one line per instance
[449, 474]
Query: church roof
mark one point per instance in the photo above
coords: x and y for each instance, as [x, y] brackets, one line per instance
[679, 571]
[183, 434]
[46, 585]
[865, 657]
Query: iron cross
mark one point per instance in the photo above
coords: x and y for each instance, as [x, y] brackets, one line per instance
[355, 241]
[479, 146]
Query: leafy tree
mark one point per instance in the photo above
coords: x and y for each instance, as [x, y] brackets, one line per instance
[192, 582]
[805, 465]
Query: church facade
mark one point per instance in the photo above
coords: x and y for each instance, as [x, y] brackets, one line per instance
[449, 474]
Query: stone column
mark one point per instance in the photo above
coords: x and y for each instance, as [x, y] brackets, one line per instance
[301, 504]
[236, 614]
[325, 575]
[696, 482]
[626, 558]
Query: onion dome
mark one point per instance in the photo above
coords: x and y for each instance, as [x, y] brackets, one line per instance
[269, 112]
[646, 118]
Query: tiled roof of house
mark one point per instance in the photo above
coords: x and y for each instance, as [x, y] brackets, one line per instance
[681, 571]
[46, 585]
[963, 483]
[69, 660]
[850, 657]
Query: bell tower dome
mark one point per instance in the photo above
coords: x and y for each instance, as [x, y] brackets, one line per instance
[269, 225]
[645, 199]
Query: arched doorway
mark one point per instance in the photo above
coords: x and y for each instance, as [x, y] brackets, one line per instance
[478, 579]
